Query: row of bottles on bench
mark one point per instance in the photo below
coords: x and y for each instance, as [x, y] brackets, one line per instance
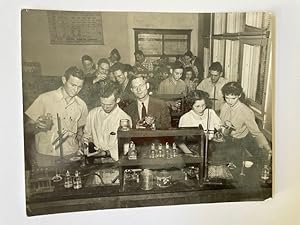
[74, 182]
[163, 151]
[158, 151]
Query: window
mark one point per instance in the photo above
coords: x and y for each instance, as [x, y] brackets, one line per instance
[240, 42]
[155, 42]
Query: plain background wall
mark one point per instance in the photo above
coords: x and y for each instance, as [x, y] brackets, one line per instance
[117, 31]
[55, 59]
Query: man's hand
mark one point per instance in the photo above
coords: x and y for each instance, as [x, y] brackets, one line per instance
[149, 120]
[40, 124]
[101, 76]
[43, 123]
[140, 125]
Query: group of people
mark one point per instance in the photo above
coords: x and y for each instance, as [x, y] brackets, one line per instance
[91, 102]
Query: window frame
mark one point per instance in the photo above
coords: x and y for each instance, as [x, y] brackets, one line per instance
[163, 32]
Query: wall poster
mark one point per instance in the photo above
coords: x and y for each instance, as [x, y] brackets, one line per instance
[75, 28]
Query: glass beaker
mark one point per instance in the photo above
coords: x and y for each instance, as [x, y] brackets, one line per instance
[124, 124]
[147, 179]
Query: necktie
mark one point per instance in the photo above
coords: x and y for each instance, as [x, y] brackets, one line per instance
[143, 111]
[214, 101]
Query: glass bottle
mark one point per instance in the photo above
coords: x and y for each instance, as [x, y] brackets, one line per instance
[167, 152]
[174, 149]
[152, 151]
[68, 180]
[160, 151]
[77, 181]
[265, 174]
[132, 153]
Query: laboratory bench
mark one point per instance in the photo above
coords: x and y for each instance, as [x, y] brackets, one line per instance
[178, 179]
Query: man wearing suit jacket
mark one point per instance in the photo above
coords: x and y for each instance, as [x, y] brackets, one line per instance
[146, 105]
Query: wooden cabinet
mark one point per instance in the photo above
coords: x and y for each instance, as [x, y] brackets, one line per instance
[194, 139]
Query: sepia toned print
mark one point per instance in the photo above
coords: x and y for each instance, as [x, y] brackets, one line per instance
[134, 109]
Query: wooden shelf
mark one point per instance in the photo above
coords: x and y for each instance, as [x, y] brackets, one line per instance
[159, 133]
[161, 163]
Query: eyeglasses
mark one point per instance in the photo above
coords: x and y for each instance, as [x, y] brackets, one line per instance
[141, 86]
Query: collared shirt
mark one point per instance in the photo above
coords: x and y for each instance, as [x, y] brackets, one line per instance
[140, 106]
[243, 120]
[169, 86]
[214, 91]
[146, 66]
[72, 115]
[209, 120]
[101, 129]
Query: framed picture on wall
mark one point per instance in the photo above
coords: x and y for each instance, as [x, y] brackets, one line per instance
[75, 28]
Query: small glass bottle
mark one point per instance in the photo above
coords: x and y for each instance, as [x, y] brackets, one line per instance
[167, 152]
[160, 151]
[265, 174]
[77, 181]
[68, 181]
[174, 149]
[152, 151]
[132, 153]
[185, 174]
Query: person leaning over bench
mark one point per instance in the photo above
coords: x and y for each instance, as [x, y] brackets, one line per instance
[103, 122]
[239, 119]
[42, 119]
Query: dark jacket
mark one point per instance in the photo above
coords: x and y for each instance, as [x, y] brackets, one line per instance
[157, 108]
[90, 92]
[127, 97]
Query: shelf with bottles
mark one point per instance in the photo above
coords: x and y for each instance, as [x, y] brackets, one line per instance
[161, 150]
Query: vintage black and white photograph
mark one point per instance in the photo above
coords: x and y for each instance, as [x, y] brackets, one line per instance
[139, 109]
